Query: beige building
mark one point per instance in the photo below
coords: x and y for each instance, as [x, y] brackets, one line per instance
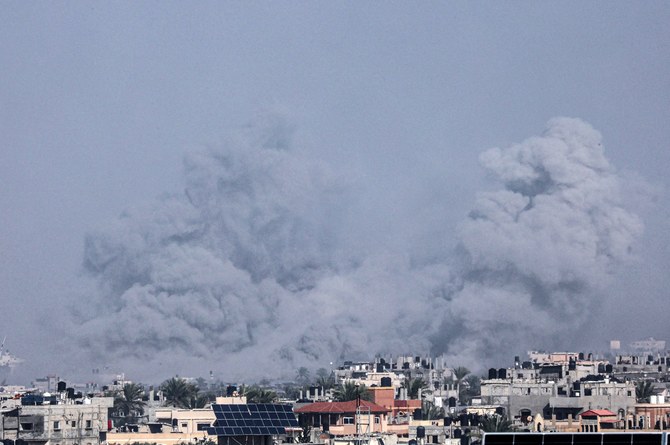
[172, 426]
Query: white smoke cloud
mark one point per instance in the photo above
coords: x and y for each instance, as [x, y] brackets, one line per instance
[246, 271]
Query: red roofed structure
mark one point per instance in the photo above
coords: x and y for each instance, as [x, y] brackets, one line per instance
[595, 420]
[344, 418]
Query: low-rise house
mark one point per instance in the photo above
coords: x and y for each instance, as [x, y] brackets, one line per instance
[598, 420]
[344, 418]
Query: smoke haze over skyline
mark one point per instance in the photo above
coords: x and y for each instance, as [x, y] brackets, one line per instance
[247, 266]
[155, 221]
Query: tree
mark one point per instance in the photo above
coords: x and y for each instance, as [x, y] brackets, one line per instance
[179, 393]
[325, 379]
[643, 391]
[471, 388]
[350, 391]
[431, 412]
[302, 375]
[459, 375]
[495, 423]
[257, 394]
[291, 391]
[128, 403]
[414, 386]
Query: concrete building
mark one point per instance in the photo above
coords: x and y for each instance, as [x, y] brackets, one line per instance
[67, 423]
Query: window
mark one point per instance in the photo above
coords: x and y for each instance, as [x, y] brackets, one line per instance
[73, 424]
[377, 419]
[56, 425]
[202, 426]
[89, 424]
[348, 420]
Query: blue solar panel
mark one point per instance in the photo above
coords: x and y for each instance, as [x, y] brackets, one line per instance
[252, 420]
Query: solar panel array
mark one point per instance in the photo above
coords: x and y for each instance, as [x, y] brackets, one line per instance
[262, 419]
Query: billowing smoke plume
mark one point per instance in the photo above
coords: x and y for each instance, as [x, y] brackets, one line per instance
[247, 271]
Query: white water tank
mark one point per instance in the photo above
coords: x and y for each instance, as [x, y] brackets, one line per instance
[653, 400]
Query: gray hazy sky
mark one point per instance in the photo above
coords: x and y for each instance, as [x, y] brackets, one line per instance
[99, 101]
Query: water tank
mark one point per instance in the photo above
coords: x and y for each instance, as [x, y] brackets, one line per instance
[608, 368]
[62, 386]
[502, 373]
[457, 433]
[452, 402]
[420, 432]
[386, 382]
[493, 374]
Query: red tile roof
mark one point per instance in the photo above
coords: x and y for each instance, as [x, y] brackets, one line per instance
[598, 413]
[339, 407]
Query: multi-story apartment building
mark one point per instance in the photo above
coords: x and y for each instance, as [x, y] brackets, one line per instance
[58, 422]
[557, 386]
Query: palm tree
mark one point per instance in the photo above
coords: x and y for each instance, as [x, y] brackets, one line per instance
[459, 374]
[471, 388]
[302, 375]
[431, 412]
[350, 391]
[128, 403]
[643, 391]
[414, 386]
[325, 379]
[256, 394]
[495, 423]
[179, 393]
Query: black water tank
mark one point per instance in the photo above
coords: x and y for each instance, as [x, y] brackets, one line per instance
[386, 382]
[452, 402]
[70, 393]
[493, 374]
[502, 373]
[420, 432]
[380, 367]
[447, 421]
[230, 389]
[62, 386]
[608, 368]
[457, 433]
